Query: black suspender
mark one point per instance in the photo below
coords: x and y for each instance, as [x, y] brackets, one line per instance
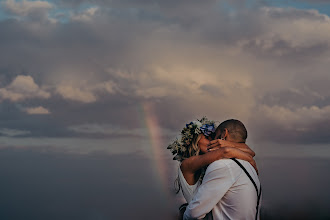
[255, 185]
[210, 216]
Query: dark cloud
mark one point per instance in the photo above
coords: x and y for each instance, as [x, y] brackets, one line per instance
[312, 1]
[142, 3]
[101, 66]
[300, 42]
[304, 125]
[302, 92]
[293, 13]
[30, 10]
[281, 49]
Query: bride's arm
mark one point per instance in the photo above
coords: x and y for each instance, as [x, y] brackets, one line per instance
[222, 143]
[192, 164]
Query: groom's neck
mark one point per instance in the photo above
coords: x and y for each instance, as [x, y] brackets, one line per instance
[231, 139]
[228, 138]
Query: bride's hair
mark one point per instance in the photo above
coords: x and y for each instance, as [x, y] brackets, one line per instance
[193, 150]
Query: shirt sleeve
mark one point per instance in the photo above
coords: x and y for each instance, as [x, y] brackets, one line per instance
[216, 182]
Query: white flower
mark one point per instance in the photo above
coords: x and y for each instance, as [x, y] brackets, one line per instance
[178, 157]
[198, 123]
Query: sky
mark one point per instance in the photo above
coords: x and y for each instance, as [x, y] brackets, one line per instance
[120, 78]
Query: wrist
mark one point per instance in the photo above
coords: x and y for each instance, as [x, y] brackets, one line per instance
[223, 153]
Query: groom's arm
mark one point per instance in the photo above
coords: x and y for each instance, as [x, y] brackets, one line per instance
[216, 182]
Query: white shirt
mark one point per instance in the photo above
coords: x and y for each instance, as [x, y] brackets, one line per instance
[227, 191]
[188, 191]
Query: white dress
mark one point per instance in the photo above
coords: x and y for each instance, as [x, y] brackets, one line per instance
[188, 191]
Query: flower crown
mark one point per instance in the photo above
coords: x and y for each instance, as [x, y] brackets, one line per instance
[188, 133]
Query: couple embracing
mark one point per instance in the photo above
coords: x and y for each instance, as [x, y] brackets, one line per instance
[217, 176]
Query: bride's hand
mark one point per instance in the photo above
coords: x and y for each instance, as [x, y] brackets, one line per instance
[218, 143]
[230, 152]
[254, 164]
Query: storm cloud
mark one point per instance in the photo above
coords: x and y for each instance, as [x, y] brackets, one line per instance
[188, 60]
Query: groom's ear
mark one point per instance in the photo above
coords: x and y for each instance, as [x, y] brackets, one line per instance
[225, 134]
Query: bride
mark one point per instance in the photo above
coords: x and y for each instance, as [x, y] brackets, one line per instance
[195, 152]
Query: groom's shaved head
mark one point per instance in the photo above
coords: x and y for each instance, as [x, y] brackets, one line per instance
[236, 130]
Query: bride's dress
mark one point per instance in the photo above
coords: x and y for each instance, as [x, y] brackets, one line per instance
[188, 191]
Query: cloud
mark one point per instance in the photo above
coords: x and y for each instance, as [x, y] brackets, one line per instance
[81, 91]
[33, 9]
[291, 32]
[288, 117]
[37, 110]
[208, 60]
[76, 94]
[316, 1]
[86, 15]
[13, 132]
[110, 130]
[302, 125]
[21, 88]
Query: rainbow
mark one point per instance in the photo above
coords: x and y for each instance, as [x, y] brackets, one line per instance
[156, 143]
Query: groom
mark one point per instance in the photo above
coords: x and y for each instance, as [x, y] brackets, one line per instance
[227, 191]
